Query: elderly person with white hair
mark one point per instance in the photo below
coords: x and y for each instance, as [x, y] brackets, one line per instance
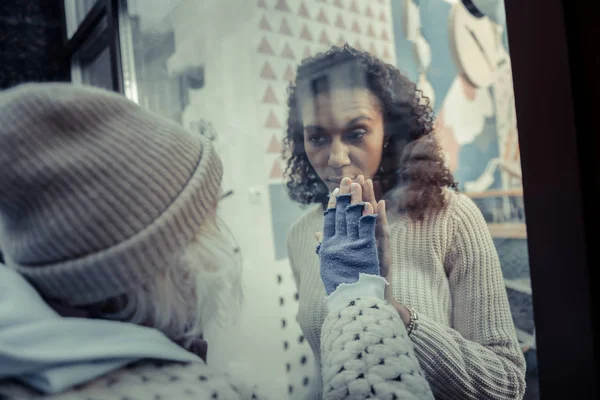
[115, 263]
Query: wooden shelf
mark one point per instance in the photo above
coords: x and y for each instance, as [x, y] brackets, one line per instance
[508, 231]
[495, 193]
[519, 285]
[525, 339]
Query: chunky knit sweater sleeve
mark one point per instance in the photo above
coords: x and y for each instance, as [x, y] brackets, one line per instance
[366, 353]
[479, 357]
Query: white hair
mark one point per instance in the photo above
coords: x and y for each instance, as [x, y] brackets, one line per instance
[202, 285]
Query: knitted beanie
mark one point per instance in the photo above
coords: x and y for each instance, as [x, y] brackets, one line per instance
[97, 195]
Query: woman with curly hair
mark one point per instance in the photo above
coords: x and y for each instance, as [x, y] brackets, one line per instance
[353, 116]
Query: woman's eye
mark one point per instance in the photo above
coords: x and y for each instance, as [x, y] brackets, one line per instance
[317, 139]
[356, 135]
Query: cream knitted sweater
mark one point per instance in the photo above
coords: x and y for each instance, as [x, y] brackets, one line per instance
[446, 268]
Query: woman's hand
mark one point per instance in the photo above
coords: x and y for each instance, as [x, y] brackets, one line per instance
[349, 245]
[367, 194]
[382, 232]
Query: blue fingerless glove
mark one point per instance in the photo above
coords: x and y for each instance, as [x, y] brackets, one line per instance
[349, 247]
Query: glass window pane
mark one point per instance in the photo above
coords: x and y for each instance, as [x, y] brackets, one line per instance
[223, 68]
[75, 13]
[91, 64]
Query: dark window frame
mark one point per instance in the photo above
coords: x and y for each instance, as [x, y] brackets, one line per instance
[108, 9]
[559, 181]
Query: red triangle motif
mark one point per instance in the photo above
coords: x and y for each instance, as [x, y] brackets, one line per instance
[369, 12]
[355, 27]
[386, 54]
[338, 3]
[382, 17]
[267, 72]
[269, 97]
[274, 146]
[322, 17]
[303, 11]
[384, 35]
[264, 24]
[341, 42]
[371, 31]
[265, 47]
[262, 4]
[339, 22]
[305, 34]
[324, 39]
[307, 53]
[276, 171]
[373, 50]
[354, 7]
[288, 52]
[272, 121]
[282, 6]
[357, 45]
[285, 28]
[289, 74]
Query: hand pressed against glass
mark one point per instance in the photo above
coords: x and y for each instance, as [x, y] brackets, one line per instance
[362, 190]
[343, 134]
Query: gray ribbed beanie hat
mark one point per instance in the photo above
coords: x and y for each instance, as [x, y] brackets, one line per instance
[96, 194]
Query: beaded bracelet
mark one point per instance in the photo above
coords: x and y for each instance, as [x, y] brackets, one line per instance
[412, 324]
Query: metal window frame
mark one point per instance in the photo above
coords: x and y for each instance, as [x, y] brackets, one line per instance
[102, 8]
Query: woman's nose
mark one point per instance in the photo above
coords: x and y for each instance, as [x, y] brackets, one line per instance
[338, 157]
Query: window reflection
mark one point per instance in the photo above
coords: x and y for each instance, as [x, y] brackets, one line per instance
[75, 12]
[91, 65]
[222, 68]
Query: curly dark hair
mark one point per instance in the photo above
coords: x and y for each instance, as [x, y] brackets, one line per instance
[412, 173]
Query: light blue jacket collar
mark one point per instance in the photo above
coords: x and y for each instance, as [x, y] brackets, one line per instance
[52, 354]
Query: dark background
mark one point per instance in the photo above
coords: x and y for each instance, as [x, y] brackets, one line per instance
[31, 42]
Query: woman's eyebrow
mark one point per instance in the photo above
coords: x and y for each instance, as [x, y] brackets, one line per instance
[352, 122]
[314, 128]
[356, 120]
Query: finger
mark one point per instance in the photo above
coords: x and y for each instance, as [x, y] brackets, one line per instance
[383, 241]
[343, 201]
[360, 180]
[382, 222]
[355, 193]
[353, 215]
[369, 194]
[377, 189]
[345, 186]
[366, 226]
[382, 213]
[332, 198]
[368, 209]
[319, 237]
[329, 221]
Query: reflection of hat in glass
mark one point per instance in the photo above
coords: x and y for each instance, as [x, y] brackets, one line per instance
[97, 195]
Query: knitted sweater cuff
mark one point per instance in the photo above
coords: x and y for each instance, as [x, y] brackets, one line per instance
[367, 286]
